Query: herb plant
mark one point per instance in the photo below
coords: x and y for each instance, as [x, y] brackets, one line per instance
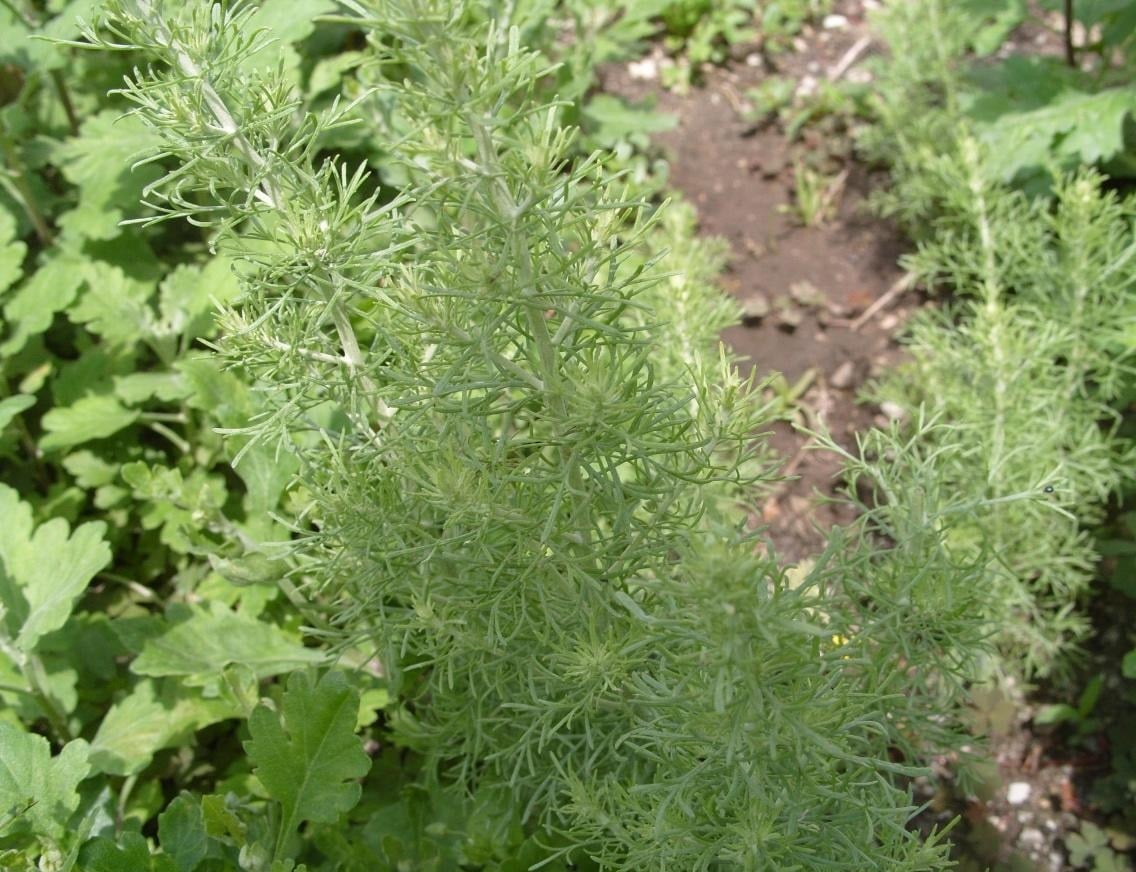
[520, 464]
[1031, 363]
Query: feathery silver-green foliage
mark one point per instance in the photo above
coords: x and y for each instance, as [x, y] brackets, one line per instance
[523, 455]
[1022, 368]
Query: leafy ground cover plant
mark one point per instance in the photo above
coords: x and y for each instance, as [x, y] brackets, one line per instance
[124, 526]
[520, 462]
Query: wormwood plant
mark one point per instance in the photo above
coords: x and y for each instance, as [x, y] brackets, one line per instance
[1026, 369]
[523, 462]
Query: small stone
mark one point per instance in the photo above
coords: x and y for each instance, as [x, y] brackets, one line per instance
[646, 70]
[844, 376]
[753, 59]
[889, 322]
[1031, 837]
[807, 86]
[755, 307]
[839, 310]
[807, 294]
[893, 411]
[834, 22]
[1018, 792]
[756, 249]
[789, 316]
[773, 165]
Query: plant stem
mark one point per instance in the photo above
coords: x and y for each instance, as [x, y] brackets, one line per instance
[1070, 49]
[65, 99]
[21, 14]
[180, 444]
[123, 797]
[992, 300]
[31, 667]
[18, 187]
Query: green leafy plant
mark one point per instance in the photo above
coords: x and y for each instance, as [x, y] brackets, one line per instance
[701, 32]
[1044, 290]
[816, 197]
[523, 463]
[1090, 849]
[1080, 717]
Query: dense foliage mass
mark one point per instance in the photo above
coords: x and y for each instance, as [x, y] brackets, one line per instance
[1031, 365]
[430, 552]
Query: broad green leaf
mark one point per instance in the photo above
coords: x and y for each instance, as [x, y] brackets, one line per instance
[21, 703]
[266, 473]
[65, 25]
[43, 573]
[137, 387]
[1055, 714]
[131, 853]
[90, 470]
[201, 647]
[1093, 124]
[44, 786]
[114, 305]
[307, 756]
[90, 645]
[181, 832]
[12, 251]
[612, 119]
[1032, 109]
[327, 74]
[32, 306]
[220, 821]
[1128, 664]
[176, 504]
[992, 21]
[99, 161]
[224, 396]
[189, 296]
[154, 716]
[286, 22]
[10, 407]
[86, 419]
[91, 374]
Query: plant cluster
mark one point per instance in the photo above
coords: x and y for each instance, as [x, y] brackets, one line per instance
[436, 558]
[1009, 169]
[1030, 365]
[484, 496]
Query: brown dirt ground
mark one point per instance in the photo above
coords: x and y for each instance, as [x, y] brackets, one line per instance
[739, 175]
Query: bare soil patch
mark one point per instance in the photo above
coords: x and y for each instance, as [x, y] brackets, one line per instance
[806, 289]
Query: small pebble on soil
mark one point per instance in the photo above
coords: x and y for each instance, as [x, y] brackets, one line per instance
[1018, 792]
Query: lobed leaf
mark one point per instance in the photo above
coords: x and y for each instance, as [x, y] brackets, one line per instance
[307, 756]
[43, 572]
[86, 419]
[152, 717]
[44, 787]
[202, 646]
